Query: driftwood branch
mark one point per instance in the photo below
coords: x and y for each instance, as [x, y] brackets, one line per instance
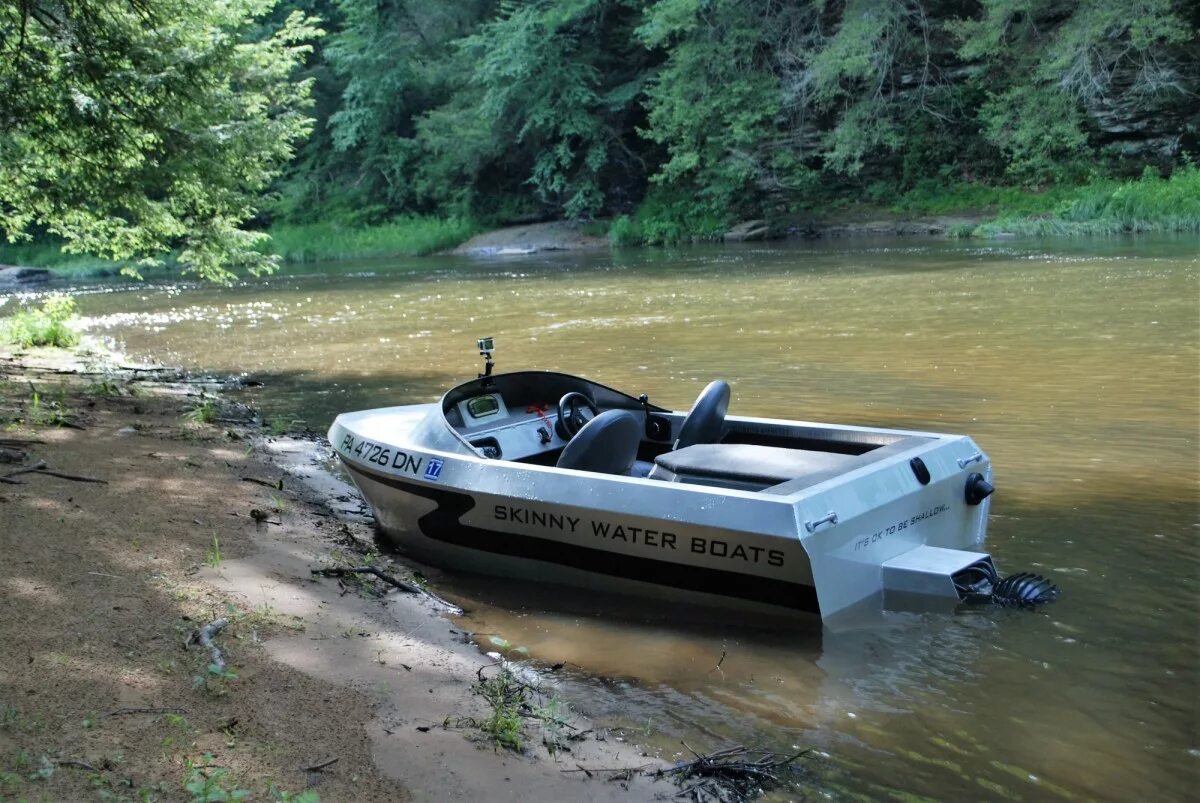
[403, 585]
[120, 712]
[729, 774]
[204, 637]
[734, 774]
[275, 486]
[72, 477]
[41, 468]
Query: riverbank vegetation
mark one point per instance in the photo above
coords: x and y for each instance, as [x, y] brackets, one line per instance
[131, 129]
[678, 117]
[671, 118]
[404, 236]
[49, 325]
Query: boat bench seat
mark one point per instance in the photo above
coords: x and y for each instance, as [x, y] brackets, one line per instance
[744, 465]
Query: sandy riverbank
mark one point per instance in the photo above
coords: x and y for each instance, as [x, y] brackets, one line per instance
[104, 581]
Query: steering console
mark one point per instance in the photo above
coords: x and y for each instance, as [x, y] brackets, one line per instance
[570, 414]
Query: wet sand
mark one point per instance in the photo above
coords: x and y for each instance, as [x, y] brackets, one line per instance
[103, 582]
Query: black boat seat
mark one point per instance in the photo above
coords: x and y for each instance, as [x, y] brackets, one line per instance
[706, 420]
[607, 444]
[743, 465]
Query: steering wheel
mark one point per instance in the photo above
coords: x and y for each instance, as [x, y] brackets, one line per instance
[570, 415]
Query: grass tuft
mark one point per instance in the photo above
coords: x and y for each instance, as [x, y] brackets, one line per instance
[204, 411]
[506, 696]
[48, 326]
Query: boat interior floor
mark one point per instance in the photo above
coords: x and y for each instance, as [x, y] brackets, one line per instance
[773, 469]
[742, 464]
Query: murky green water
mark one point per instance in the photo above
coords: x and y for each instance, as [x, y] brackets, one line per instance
[1077, 366]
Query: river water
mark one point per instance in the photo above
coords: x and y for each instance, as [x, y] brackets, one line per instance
[1075, 365]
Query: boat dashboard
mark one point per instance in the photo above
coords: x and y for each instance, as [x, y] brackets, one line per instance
[515, 416]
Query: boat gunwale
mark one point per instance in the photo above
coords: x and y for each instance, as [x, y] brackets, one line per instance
[790, 499]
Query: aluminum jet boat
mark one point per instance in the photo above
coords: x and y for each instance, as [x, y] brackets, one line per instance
[553, 477]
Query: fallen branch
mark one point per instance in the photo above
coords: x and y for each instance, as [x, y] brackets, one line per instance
[589, 770]
[72, 477]
[729, 774]
[403, 585]
[148, 369]
[40, 468]
[321, 766]
[120, 712]
[14, 442]
[275, 486]
[204, 637]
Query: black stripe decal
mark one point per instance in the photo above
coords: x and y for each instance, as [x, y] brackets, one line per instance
[445, 524]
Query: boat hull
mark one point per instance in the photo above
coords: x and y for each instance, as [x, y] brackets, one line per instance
[821, 548]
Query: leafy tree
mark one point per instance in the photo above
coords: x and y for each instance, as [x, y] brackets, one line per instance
[714, 103]
[398, 62]
[558, 82]
[1058, 74]
[133, 127]
[696, 111]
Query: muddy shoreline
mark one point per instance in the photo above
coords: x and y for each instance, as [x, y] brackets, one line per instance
[195, 517]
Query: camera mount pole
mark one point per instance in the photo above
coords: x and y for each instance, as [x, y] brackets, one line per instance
[488, 364]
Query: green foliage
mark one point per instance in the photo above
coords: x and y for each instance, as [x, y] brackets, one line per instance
[1148, 204]
[131, 129]
[207, 784]
[48, 253]
[203, 411]
[214, 679]
[934, 197]
[554, 94]
[553, 716]
[404, 236]
[283, 796]
[214, 553]
[45, 770]
[673, 117]
[1060, 70]
[106, 387]
[389, 66]
[712, 106]
[667, 217]
[506, 696]
[48, 326]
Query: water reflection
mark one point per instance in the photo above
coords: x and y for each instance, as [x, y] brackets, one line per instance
[1075, 364]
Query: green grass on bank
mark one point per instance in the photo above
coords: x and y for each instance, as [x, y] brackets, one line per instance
[405, 236]
[931, 198]
[49, 254]
[1100, 207]
[48, 326]
[313, 242]
[1148, 204]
